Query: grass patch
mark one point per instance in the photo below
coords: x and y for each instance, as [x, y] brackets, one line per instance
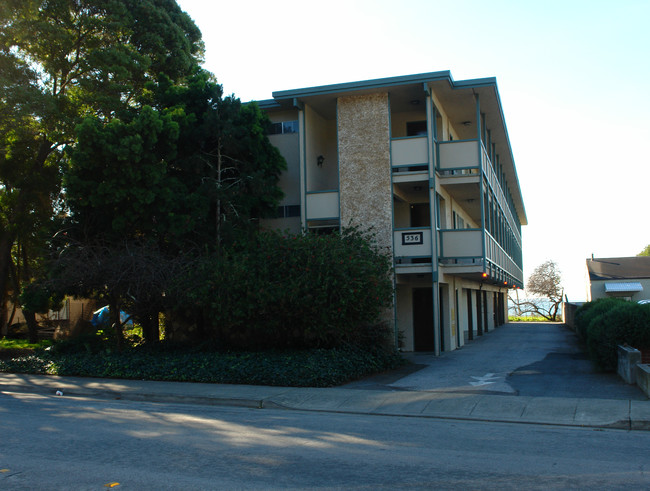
[307, 368]
[23, 344]
[13, 348]
[517, 318]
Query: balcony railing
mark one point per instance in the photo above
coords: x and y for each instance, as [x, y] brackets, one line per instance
[409, 151]
[494, 183]
[461, 244]
[465, 248]
[495, 254]
[412, 242]
[458, 157]
[322, 205]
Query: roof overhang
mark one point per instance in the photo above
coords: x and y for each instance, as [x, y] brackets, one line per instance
[456, 96]
[626, 287]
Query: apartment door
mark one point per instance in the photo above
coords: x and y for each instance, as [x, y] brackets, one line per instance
[485, 312]
[470, 316]
[420, 215]
[442, 294]
[423, 319]
[501, 307]
[457, 319]
[479, 313]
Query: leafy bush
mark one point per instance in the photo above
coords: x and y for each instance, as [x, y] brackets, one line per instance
[587, 312]
[295, 291]
[312, 368]
[608, 323]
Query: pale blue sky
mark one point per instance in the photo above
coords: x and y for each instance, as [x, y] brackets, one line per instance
[573, 77]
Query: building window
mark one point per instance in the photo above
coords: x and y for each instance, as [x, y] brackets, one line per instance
[416, 128]
[283, 128]
[459, 222]
[288, 211]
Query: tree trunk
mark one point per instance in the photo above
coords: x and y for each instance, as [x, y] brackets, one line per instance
[4, 322]
[116, 323]
[32, 326]
[218, 224]
[30, 317]
[151, 329]
[6, 244]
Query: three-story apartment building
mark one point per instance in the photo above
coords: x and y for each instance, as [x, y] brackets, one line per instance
[425, 161]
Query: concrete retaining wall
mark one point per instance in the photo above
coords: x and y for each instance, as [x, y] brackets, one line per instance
[628, 358]
[643, 378]
[568, 314]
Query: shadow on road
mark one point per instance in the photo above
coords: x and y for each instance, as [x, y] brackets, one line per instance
[526, 359]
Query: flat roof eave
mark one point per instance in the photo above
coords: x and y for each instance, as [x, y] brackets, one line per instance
[384, 82]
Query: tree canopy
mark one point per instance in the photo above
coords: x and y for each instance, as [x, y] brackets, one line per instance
[108, 122]
[61, 61]
[645, 252]
[544, 292]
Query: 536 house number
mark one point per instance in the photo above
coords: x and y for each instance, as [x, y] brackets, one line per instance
[412, 238]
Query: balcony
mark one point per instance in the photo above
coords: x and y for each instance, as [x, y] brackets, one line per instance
[462, 250]
[413, 249]
[322, 205]
[500, 258]
[458, 158]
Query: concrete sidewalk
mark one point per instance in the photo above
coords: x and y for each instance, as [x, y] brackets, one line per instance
[600, 413]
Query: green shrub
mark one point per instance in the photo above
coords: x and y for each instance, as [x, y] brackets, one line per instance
[614, 323]
[308, 368]
[295, 291]
[587, 312]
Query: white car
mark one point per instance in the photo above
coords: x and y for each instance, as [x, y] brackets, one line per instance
[642, 302]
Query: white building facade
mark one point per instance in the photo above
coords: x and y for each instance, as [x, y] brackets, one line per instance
[425, 162]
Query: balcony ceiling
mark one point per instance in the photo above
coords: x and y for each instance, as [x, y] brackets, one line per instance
[456, 97]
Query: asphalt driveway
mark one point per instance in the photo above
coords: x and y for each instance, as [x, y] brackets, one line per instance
[526, 359]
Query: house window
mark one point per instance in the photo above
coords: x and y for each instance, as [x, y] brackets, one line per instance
[283, 128]
[459, 222]
[416, 128]
[420, 215]
[288, 211]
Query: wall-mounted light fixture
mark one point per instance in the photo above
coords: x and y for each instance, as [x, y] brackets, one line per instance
[466, 123]
[319, 161]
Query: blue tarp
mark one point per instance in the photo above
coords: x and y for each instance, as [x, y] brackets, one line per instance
[101, 318]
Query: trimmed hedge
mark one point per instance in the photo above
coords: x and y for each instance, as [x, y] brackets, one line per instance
[607, 323]
[312, 368]
[300, 291]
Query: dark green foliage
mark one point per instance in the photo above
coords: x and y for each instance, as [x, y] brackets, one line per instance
[315, 368]
[608, 323]
[278, 291]
[60, 62]
[587, 312]
[117, 182]
[192, 167]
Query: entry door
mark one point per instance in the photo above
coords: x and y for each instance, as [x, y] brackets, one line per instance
[470, 316]
[423, 319]
[479, 313]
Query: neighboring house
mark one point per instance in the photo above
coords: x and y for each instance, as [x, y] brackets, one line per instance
[426, 163]
[623, 277]
[61, 323]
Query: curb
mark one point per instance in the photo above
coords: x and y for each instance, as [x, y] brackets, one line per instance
[640, 424]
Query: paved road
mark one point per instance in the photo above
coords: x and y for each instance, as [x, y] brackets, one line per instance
[527, 359]
[59, 443]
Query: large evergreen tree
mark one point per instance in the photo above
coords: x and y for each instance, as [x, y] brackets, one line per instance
[193, 171]
[61, 61]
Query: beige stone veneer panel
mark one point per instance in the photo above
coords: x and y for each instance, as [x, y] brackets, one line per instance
[364, 165]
